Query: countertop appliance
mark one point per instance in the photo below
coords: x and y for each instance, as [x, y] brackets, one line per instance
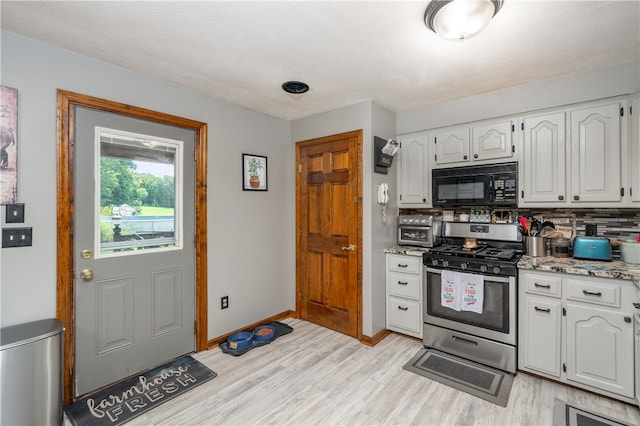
[485, 185]
[488, 334]
[419, 230]
[592, 248]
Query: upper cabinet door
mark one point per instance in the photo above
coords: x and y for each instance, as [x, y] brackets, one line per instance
[634, 145]
[595, 153]
[415, 176]
[492, 141]
[452, 146]
[543, 161]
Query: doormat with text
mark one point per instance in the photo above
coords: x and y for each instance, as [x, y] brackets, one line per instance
[136, 395]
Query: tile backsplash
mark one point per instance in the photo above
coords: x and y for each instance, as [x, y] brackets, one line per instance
[615, 224]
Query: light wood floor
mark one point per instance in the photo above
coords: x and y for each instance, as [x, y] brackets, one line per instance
[315, 376]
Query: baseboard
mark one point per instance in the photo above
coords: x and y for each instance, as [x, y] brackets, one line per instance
[217, 340]
[377, 338]
[604, 394]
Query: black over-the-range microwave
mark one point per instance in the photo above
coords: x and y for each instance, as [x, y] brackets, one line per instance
[485, 185]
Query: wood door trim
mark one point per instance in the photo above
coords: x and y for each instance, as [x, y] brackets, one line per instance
[66, 103]
[358, 135]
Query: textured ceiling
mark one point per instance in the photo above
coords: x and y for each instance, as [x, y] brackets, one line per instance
[346, 51]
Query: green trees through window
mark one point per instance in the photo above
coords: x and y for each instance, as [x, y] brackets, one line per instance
[120, 183]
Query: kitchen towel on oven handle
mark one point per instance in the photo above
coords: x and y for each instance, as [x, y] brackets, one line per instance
[450, 286]
[472, 296]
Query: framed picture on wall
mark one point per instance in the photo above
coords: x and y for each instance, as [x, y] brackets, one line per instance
[8, 145]
[254, 172]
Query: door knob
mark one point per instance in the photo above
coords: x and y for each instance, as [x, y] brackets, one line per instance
[350, 247]
[86, 274]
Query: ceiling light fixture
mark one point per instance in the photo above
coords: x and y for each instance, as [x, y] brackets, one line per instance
[295, 87]
[460, 19]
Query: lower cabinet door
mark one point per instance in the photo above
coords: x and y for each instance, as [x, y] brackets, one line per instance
[404, 316]
[600, 349]
[540, 340]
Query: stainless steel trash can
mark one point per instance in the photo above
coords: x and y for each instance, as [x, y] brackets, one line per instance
[31, 373]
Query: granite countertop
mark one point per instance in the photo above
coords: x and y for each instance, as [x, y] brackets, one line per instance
[615, 269]
[407, 250]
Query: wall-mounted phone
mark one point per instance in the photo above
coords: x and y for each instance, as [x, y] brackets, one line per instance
[383, 193]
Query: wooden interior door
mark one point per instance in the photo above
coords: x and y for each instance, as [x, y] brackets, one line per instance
[329, 224]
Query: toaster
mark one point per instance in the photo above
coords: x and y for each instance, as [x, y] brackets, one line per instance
[592, 248]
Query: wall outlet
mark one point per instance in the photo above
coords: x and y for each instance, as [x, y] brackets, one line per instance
[224, 302]
[16, 237]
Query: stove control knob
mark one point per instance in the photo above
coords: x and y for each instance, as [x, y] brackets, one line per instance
[496, 269]
[483, 268]
[434, 262]
[445, 263]
[464, 265]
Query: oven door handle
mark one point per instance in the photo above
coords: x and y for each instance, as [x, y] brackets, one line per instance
[463, 340]
[492, 278]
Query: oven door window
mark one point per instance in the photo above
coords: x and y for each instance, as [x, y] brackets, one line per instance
[469, 190]
[495, 309]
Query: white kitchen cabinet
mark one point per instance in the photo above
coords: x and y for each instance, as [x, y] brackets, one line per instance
[637, 359]
[482, 142]
[541, 317]
[609, 364]
[596, 153]
[588, 170]
[543, 160]
[578, 330]
[414, 176]
[452, 146]
[492, 141]
[634, 149]
[404, 294]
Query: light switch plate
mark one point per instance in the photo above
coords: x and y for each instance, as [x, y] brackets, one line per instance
[16, 237]
[14, 213]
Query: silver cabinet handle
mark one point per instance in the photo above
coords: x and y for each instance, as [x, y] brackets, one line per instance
[350, 247]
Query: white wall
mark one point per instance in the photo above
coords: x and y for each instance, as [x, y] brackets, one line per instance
[374, 121]
[585, 86]
[250, 234]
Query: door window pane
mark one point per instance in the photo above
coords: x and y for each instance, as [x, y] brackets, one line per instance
[139, 201]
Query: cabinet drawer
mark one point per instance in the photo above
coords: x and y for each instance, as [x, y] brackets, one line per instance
[404, 285]
[599, 293]
[543, 284]
[407, 264]
[404, 314]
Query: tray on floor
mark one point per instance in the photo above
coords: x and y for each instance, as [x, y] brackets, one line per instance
[281, 330]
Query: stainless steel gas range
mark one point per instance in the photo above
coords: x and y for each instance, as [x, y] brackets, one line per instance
[470, 307]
